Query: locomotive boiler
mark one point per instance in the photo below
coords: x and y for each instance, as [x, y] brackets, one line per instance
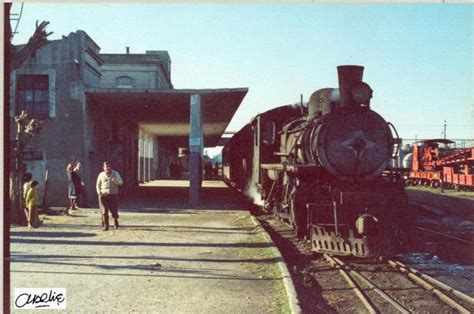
[324, 169]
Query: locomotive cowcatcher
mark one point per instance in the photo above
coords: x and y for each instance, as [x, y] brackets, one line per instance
[323, 168]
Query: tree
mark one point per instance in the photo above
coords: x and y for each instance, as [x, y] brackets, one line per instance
[26, 128]
[39, 39]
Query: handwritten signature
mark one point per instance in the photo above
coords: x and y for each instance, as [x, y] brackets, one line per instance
[39, 300]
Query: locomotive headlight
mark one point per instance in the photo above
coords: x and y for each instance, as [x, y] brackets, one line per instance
[361, 93]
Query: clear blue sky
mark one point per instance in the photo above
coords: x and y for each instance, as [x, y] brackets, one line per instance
[418, 58]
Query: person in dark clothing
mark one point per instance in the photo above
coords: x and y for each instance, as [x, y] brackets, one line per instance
[172, 171]
[79, 185]
[72, 191]
[207, 170]
[215, 171]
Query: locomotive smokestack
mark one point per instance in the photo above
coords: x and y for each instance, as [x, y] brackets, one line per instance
[349, 76]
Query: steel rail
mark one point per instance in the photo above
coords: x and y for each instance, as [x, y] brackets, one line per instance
[354, 287]
[439, 284]
[372, 286]
[446, 235]
[417, 279]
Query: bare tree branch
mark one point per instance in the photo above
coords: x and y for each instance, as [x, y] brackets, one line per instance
[39, 39]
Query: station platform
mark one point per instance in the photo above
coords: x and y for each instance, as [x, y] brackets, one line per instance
[166, 257]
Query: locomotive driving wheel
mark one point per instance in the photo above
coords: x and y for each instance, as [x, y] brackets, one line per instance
[297, 211]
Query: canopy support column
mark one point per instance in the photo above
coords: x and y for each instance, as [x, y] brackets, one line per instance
[196, 147]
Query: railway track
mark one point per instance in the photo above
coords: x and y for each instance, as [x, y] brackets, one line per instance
[457, 300]
[446, 236]
[321, 289]
[443, 230]
[452, 243]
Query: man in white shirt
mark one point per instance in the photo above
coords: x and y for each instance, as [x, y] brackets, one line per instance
[107, 185]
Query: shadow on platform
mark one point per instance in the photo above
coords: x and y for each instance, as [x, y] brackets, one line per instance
[172, 196]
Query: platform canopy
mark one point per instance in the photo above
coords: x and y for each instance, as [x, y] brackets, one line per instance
[165, 113]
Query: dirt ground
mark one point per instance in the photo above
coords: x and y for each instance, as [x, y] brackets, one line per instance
[162, 261]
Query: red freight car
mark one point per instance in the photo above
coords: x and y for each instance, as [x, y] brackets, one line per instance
[436, 163]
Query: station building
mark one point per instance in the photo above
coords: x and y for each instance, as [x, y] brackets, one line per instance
[117, 107]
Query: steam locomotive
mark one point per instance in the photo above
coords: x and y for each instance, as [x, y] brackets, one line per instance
[324, 168]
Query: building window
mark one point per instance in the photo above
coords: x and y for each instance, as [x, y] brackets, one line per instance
[124, 82]
[33, 95]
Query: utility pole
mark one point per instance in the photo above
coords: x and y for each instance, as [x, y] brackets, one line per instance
[472, 120]
[444, 132]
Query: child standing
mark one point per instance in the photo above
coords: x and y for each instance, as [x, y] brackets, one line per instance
[32, 201]
[27, 178]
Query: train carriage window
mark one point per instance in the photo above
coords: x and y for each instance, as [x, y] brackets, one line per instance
[268, 134]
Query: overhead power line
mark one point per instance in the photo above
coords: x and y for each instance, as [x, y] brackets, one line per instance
[17, 21]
